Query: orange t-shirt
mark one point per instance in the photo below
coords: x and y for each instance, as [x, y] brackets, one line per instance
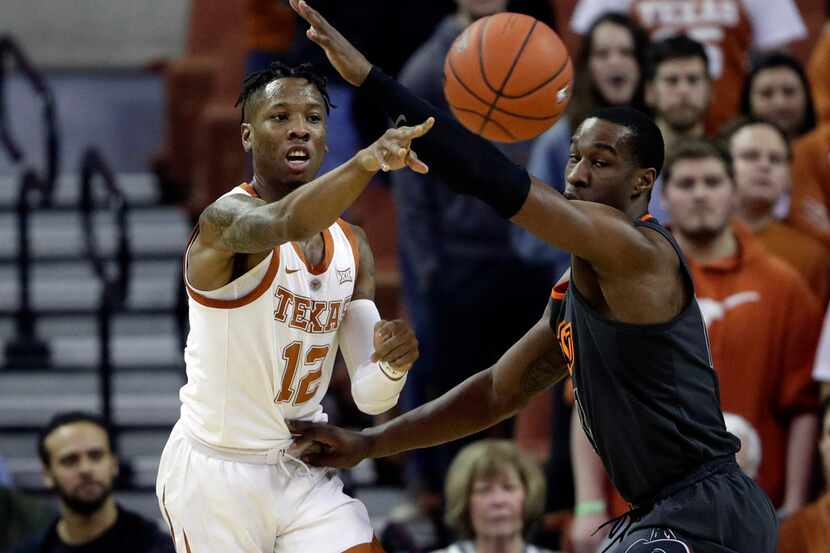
[724, 28]
[809, 257]
[818, 70]
[810, 196]
[807, 531]
[756, 300]
[763, 325]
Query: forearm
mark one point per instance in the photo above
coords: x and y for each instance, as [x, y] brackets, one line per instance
[803, 430]
[469, 163]
[301, 214]
[466, 409]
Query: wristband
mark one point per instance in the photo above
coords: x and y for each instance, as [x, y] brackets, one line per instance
[391, 372]
[592, 507]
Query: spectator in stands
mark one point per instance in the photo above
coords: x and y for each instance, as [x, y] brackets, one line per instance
[749, 457]
[459, 272]
[609, 72]
[79, 465]
[493, 494]
[808, 531]
[761, 160]
[810, 198]
[730, 30]
[679, 90]
[777, 89]
[747, 296]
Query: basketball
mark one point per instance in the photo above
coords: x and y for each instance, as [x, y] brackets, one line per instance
[508, 77]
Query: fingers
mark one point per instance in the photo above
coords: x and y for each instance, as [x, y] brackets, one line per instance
[398, 342]
[416, 164]
[410, 133]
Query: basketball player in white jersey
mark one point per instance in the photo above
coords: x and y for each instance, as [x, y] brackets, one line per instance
[276, 283]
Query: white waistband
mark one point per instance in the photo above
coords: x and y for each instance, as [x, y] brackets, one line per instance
[269, 457]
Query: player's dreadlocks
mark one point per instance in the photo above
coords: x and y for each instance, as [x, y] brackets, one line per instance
[255, 82]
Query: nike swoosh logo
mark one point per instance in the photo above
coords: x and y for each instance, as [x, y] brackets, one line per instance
[290, 271]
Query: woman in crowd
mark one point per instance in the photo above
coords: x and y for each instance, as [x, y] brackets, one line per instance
[609, 72]
[777, 89]
[493, 494]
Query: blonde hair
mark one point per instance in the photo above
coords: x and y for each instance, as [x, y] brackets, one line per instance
[487, 458]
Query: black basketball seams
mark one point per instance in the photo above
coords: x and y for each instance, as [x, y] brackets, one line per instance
[539, 86]
[509, 71]
[496, 123]
[496, 108]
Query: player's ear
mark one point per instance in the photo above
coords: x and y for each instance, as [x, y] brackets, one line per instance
[645, 181]
[247, 140]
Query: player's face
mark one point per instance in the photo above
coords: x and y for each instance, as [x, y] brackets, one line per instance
[679, 92]
[287, 133]
[777, 95]
[762, 171]
[824, 445]
[81, 466]
[699, 197]
[600, 166]
[497, 505]
[477, 9]
[614, 69]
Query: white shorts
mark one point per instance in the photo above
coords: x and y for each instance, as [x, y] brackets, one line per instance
[215, 502]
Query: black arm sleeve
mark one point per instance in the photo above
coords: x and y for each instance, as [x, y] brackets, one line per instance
[468, 163]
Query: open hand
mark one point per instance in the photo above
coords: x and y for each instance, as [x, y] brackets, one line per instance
[392, 151]
[395, 344]
[346, 59]
[324, 445]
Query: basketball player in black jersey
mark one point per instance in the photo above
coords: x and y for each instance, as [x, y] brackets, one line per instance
[623, 323]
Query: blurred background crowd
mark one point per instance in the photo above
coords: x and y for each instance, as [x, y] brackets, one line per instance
[118, 126]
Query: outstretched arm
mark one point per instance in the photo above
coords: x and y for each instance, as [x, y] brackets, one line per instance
[472, 165]
[492, 395]
[240, 224]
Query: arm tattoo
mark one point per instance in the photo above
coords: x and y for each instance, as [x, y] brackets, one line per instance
[548, 369]
[234, 231]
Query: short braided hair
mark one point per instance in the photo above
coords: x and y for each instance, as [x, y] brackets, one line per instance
[256, 82]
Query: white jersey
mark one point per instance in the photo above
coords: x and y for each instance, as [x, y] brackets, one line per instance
[261, 349]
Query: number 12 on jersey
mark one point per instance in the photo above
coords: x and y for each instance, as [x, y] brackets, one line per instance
[307, 385]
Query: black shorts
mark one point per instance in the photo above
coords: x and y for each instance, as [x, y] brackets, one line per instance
[718, 509]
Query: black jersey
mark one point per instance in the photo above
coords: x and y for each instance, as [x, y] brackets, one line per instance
[647, 395]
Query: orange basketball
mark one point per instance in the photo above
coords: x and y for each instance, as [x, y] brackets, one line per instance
[508, 77]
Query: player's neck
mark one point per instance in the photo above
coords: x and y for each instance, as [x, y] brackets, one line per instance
[75, 528]
[706, 249]
[270, 190]
[507, 544]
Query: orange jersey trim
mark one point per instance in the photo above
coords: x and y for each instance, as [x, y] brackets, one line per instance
[249, 188]
[349, 232]
[557, 293]
[647, 217]
[328, 246]
[371, 547]
[264, 284]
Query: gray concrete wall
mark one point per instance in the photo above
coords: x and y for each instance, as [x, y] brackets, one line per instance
[94, 34]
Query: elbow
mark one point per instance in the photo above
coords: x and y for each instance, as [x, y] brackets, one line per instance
[376, 407]
[373, 403]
